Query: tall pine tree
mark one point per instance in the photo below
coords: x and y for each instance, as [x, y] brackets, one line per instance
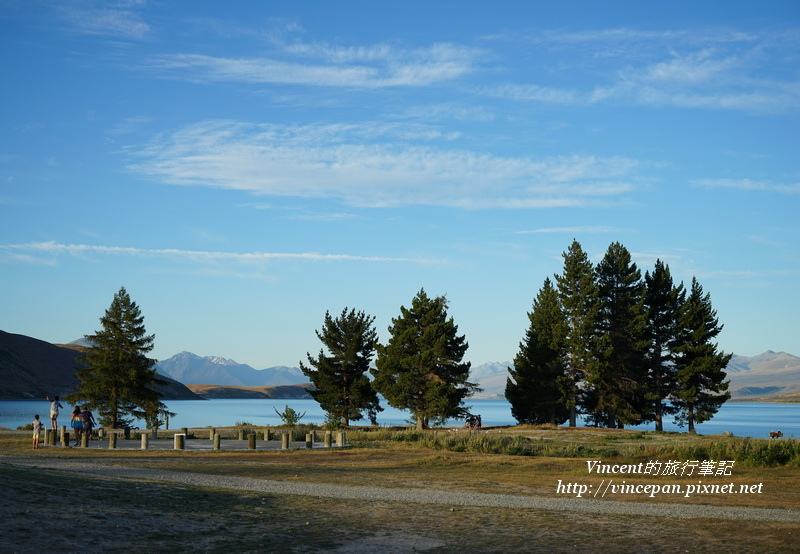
[420, 368]
[700, 375]
[577, 292]
[662, 303]
[617, 380]
[341, 384]
[537, 384]
[118, 379]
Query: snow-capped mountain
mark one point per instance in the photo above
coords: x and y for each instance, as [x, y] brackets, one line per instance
[214, 370]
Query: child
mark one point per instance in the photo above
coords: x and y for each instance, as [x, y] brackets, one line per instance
[37, 427]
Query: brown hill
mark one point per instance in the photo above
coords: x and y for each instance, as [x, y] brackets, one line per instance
[279, 391]
[32, 368]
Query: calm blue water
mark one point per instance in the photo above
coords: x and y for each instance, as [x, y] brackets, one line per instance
[743, 419]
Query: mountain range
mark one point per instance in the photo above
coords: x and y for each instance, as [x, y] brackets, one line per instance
[767, 375]
[31, 368]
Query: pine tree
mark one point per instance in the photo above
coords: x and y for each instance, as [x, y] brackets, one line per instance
[618, 379]
[118, 379]
[420, 368]
[700, 375]
[577, 292]
[537, 383]
[341, 384]
[662, 302]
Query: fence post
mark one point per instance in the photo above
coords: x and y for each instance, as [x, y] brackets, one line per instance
[211, 433]
[216, 441]
[145, 441]
[112, 441]
[84, 440]
[241, 434]
[266, 433]
[251, 441]
[180, 441]
[185, 431]
[328, 435]
[61, 431]
[285, 441]
[309, 440]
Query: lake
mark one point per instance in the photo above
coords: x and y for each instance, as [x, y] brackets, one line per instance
[743, 419]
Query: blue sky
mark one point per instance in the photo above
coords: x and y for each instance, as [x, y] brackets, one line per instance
[242, 167]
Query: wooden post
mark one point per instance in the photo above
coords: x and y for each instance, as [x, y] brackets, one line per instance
[61, 431]
[216, 441]
[211, 433]
[112, 441]
[309, 440]
[84, 440]
[185, 431]
[145, 439]
[285, 441]
[101, 433]
[65, 438]
[241, 434]
[328, 435]
[266, 433]
[251, 441]
[180, 441]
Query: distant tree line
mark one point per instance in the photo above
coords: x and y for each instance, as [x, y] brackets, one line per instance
[618, 348]
[603, 342]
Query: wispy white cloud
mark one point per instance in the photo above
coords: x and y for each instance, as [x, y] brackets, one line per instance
[113, 19]
[374, 165]
[29, 251]
[701, 69]
[590, 230]
[376, 66]
[749, 184]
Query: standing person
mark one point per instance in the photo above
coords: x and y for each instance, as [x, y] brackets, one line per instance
[55, 406]
[88, 421]
[37, 427]
[77, 424]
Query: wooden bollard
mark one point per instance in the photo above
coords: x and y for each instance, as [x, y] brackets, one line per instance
[145, 441]
[65, 438]
[241, 434]
[84, 440]
[211, 433]
[309, 440]
[216, 441]
[285, 441]
[341, 438]
[185, 431]
[180, 441]
[328, 435]
[266, 433]
[251, 441]
[61, 431]
[112, 440]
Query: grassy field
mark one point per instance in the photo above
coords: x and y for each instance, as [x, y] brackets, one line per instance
[94, 514]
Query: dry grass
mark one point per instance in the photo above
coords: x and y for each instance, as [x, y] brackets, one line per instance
[180, 518]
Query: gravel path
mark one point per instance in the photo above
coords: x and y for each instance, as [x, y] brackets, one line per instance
[419, 496]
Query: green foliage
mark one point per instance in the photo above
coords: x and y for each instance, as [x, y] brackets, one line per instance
[118, 379]
[617, 379]
[420, 368]
[289, 416]
[577, 291]
[538, 387]
[701, 386]
[662, 306]
[341, 385]
[244, 424]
